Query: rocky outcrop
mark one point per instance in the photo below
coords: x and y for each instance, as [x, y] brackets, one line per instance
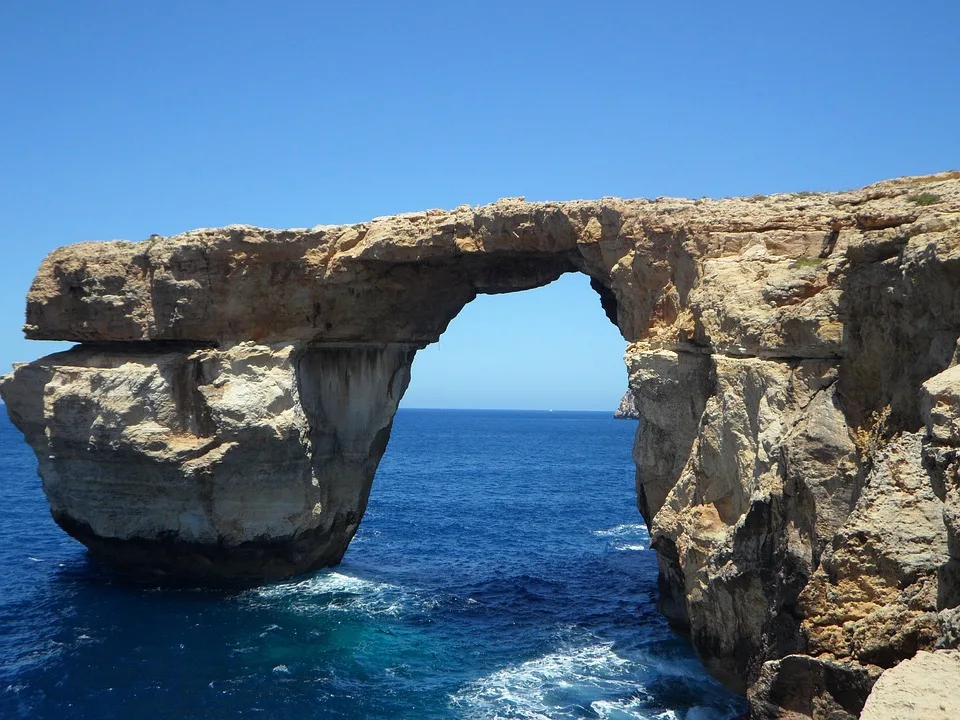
[626, 410]
[232, 464]
[790, 359]
[923, 688]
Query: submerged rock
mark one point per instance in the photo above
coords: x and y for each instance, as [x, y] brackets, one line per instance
[791, 362]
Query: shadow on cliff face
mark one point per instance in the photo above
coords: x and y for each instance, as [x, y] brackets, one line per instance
[901, 312]
[759, 541]
[901, 307]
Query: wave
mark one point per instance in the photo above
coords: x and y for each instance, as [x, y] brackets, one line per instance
[333, 591]
[628, 710]
[323, 583]
[624, 530]
[338, 592]
[558, 685]
[624, 710]
[582, 681]
[626, 537]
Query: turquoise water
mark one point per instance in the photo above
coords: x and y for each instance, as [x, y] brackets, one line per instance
[501, 571]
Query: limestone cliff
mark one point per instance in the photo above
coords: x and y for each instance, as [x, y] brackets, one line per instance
[791, 359]
[238, 463]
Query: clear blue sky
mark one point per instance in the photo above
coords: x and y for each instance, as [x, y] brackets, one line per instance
[122, 119]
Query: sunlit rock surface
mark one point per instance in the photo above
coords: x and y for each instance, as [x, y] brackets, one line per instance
[791, 359]
[240, 463]
[922, 688]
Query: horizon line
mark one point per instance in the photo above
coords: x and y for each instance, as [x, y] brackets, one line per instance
[489, 409]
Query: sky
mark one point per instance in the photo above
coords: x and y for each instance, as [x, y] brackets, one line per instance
[120, 120]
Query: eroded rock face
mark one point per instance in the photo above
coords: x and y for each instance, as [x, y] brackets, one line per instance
[739, 526]
[790, 359]
[233, 464]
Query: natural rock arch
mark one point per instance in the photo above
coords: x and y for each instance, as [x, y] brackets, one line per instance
[248, 378]
[233, 391]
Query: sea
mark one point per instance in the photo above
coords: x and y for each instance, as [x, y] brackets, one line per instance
[501, 571]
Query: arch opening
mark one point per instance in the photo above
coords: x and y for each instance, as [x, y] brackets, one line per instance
[545, 348]
[509, 535]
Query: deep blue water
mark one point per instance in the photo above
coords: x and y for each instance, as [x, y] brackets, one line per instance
[501, 571]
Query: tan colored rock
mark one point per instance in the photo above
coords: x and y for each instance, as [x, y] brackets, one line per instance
[738, 533]
[226, 414]
[235, 464]
[941, 406]
[797, 687]
[762, 304]
[874, 596]
[402, 278]
[668, 392]
[922, 688]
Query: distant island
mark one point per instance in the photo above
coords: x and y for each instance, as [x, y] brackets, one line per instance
[627, 410]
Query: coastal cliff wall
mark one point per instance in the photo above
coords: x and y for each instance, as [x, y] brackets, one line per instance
[792, 360]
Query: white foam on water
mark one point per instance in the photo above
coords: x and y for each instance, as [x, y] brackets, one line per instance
[626, 537]
[323, 583]
[633, 708]
[544, 686]
[688, 669]
[337, 592]
[628, 709]
[624, 530]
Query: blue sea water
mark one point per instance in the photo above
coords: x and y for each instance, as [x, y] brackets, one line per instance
[501, 571]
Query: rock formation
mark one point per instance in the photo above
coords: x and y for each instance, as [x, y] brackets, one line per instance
[922, 688]
[626, 410]
[791, 358]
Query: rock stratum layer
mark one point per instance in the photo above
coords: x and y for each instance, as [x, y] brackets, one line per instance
[792, 360]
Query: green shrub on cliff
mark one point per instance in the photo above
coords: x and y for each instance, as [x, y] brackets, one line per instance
[924, 199]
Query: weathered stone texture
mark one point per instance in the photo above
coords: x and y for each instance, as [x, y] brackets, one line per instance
[232, 464]
[922, 688]
[791, 360]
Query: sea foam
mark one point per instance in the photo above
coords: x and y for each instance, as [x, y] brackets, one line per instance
[338, 592]
[557, 685]
[626, 537]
